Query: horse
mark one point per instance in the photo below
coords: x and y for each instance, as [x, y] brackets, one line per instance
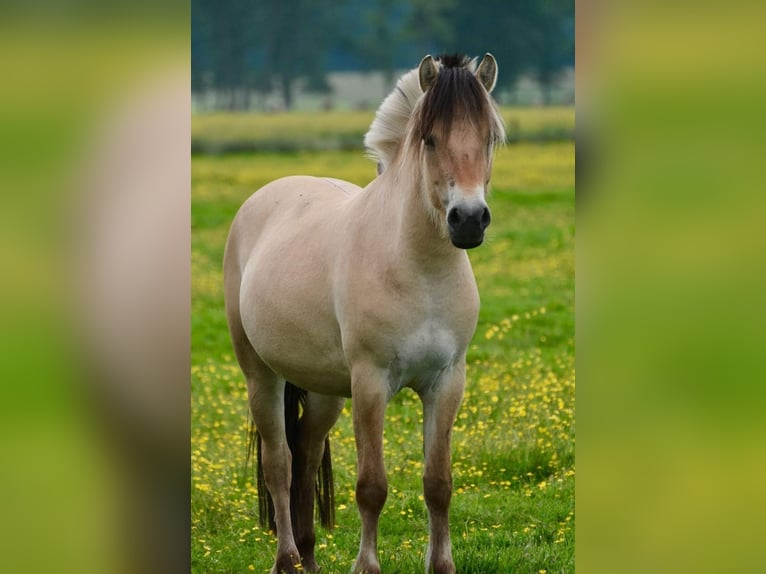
[334, 291]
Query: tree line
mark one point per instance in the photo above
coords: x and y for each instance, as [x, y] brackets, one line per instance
[245, 46]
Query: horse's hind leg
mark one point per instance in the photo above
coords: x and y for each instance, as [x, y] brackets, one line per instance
[266, 395]
[267, 406]
[319, 415]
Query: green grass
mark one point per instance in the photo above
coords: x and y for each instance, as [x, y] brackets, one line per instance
[257, 132]
[513, 449]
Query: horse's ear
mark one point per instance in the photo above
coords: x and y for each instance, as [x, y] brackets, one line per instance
[427, 73]
[487, 72]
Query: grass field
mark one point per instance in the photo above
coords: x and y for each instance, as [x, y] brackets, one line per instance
[228, 132]
[513, 449]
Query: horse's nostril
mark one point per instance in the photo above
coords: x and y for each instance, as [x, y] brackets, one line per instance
[485, 217]
[453, 217]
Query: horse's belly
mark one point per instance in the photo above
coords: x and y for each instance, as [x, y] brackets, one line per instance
[327, 378]
[293, 329]
[314, 363]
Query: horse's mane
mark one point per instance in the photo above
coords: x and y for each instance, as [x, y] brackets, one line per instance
[389, 127]
[390, 124]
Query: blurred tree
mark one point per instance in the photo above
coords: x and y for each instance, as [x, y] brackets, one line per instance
[552, 39]
[240, 45]
[429, 26]
[499, 27]
[223, 49]
[200, 52]
[247, 45]
[524, 35]
[295, 36]
[377, 46]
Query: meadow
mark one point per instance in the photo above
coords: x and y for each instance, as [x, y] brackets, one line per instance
[231, 132]
[513, 446]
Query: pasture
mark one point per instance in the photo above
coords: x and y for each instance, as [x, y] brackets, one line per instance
[513, 443]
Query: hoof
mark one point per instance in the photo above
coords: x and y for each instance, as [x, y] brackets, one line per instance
[288, 564]
[442, 568]
[365, 568]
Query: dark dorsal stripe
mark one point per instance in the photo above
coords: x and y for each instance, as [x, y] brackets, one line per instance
[454, 60]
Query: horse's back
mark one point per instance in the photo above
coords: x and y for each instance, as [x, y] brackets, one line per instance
[287, 205]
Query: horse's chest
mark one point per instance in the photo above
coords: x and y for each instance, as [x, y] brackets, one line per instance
[422, 355]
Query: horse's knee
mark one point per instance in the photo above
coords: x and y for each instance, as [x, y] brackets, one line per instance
[437, 492]
[371, 493]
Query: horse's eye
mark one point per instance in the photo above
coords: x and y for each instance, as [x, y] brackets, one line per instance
[429, 141]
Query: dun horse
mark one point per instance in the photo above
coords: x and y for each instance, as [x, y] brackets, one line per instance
[350, 292]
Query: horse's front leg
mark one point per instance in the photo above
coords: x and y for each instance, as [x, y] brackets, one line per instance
[369, 396]
[440, 405]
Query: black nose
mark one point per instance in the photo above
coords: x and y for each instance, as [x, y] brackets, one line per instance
[471, 217]
[467, 223]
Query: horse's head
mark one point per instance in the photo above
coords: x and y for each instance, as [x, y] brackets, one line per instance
[455, 132]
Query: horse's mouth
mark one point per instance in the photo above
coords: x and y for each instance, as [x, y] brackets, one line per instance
[466, 242]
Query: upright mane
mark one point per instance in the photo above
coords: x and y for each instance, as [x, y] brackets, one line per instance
[390, 124]
[456, 94]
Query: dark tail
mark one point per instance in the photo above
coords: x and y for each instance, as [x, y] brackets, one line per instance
[325, 490]
[295, 401]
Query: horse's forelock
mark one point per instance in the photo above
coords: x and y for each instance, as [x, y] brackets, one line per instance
[456, 96]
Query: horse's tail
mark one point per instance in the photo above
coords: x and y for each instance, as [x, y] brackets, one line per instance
[325, 489]
[265, 503]
[295, 401]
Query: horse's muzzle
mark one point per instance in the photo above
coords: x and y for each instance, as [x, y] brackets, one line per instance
[466, 224]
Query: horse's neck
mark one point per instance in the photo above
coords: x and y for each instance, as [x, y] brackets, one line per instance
[402, 217]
